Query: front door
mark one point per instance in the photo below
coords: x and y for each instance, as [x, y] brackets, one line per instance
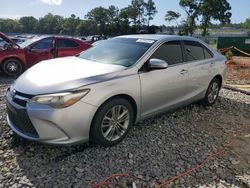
[162, 89]
[41, 50]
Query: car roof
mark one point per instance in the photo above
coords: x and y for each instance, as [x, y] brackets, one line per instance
[163, 37]
[158, 37]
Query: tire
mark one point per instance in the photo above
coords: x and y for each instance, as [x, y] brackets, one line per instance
[107, 127]
[12, 67]
[212, 92]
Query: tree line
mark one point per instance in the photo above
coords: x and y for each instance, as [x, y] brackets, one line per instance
[203, 10]
[135, 18]
[113, 21]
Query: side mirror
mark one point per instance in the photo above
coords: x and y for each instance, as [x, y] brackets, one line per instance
[157, 64]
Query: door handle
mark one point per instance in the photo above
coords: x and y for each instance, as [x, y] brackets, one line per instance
[184, 71]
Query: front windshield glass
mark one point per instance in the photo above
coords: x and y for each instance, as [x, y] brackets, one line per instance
[118, 51]
[29, 42]
[2, 43]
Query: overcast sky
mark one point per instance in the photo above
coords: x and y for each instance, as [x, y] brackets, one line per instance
[38, 8]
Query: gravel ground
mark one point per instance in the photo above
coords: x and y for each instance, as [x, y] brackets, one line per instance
[155, 150]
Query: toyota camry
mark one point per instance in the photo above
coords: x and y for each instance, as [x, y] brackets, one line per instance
[98, 95]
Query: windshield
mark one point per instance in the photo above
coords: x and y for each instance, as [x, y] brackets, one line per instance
[2, 43]
[118, 51]
[29, 42]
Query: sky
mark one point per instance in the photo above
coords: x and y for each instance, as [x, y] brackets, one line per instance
[17, 8]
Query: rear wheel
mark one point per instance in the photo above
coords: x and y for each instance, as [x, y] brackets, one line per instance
[212, 92]
[112, 122]
[12, 67]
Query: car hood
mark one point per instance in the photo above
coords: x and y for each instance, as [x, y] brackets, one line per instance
[63, 74]
[7, 39]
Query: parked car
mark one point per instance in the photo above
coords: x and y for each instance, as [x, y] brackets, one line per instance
[18, 40]
[99, 95]
[95, 38]
[15, 58]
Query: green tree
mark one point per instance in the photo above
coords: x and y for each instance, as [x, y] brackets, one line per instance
[113, 13]
[113, 23]
[9, 25]
[246, 24]
[137, 12]
[86, 27]
[192, 9]
[50, 24]
[173, 16]
[124, 21]
[216, 10]
[70, 24]
[99, 20]
[150, 11]
[58, 20]
[28, 24]
[183, 28]
[100, 16]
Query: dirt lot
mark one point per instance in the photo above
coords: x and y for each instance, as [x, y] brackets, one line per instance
[238, 71]
[155, 150]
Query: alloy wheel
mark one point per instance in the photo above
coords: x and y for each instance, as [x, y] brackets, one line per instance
[115, 123]
[213, 92]
[12, 67]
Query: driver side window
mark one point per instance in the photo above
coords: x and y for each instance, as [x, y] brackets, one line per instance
[170, 52]
[44, 44]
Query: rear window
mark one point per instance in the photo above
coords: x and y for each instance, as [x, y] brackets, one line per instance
[194, 51]
[208, 54]
[67, 43]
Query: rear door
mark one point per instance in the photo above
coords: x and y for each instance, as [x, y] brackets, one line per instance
[165, 88]
[67, 47]
[200, 63]
[41, 50]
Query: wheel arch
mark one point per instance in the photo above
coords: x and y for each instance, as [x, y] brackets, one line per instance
[126, 97]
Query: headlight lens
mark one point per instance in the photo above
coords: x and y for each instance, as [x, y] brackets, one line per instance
[60, 100]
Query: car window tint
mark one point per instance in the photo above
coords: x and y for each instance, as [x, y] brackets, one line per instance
[170, 52]
[67, 43]
[118, 51]
[207, 53]
[194, 51]
[43, 44]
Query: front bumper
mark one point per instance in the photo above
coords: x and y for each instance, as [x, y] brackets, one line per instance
[44, 124]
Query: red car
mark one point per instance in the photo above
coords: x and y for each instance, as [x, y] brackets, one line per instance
[14, 58]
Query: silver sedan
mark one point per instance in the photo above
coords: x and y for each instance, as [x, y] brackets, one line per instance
[100, 94]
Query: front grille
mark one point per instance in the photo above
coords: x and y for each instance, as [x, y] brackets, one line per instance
[21, 121]
[21, 98]
[20, 102]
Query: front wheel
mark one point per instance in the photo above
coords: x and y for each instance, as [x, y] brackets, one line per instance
[212, 92]
[12, 67]
[112, 122]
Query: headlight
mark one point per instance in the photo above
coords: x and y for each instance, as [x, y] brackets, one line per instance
[60, 100]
